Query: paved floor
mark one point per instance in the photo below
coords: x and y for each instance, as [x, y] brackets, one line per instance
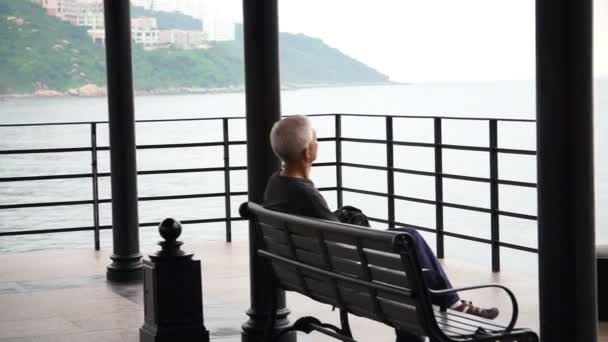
[63, 296]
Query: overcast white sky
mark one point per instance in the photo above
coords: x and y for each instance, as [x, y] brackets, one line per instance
[430, 40]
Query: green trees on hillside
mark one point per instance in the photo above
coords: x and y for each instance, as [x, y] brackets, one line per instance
[38, 51]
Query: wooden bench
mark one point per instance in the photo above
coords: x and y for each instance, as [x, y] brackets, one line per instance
[364, 272]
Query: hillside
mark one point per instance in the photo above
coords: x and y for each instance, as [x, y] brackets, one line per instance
[39, 52]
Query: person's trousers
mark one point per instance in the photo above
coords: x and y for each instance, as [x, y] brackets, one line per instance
[435, 279]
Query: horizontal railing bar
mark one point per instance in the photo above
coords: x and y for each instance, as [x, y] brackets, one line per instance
[139, 147]
[106, 227]
[47, 177]
[72, 123]
[518, 247]
[444, 175]
[445, 204]
[241, 168]
[518, 215]
[108, 200]
[415, 172]
[467, 207]
[364, 140]
[183, 145]
[222, 194]
[45, 204]
[142, 199]
[517, 183]
[436, 117]
[47, 150]
[516, 151]
[444, 146]
[180, 197]
[141, 173]
[173, 171]
[457, 235]
[213, 220]
[364, 166]
[52, 231]
[415, 199]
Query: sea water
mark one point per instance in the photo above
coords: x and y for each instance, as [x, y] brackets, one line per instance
[512, 100]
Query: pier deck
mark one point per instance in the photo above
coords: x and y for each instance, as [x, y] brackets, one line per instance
[63, 296]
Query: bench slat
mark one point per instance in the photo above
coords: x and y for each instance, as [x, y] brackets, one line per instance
[306, 243]
[310, 258]
[341, 250]
[383, 242]
[383, 259]
[275, 233]
[390, 277]
[276, 248]
[403, 315]
[347, 267]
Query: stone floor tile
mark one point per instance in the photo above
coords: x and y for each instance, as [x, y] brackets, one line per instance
[37, 327]
[96, 336]
[123, 320]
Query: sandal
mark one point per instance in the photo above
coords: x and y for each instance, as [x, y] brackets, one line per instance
[468, 308]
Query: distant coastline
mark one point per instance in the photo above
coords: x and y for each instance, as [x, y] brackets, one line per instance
[97, 91]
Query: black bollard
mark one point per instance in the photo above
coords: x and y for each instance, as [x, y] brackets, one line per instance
[173, 300]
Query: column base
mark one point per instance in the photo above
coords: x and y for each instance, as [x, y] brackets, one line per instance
[194, 333]
[253, 329]
[125, 268]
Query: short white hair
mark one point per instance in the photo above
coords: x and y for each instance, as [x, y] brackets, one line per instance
[290, 136]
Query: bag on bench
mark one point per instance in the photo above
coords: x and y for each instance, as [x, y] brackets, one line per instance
[351, 215]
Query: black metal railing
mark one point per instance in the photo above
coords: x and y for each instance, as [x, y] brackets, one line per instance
[391, 195]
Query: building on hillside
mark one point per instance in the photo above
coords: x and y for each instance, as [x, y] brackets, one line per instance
[144, 31]
[98, 36]
[87, 13]
[183, 39]
[54, 8]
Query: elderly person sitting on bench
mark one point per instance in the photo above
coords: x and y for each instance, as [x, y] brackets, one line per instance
[294, 141]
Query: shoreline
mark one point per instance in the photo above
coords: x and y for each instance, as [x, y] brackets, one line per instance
[199, 91]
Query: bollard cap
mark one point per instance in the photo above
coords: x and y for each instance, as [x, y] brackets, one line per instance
[170, 229]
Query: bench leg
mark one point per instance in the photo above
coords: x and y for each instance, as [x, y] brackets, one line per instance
[345, 324]
[404, 336]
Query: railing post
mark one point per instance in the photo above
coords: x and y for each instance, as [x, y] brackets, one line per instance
[494, 205]
[390, 173]
[338, 130]
[439, 188]
[227, 180]
[95, 182]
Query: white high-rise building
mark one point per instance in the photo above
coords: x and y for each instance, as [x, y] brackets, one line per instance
[216, 23]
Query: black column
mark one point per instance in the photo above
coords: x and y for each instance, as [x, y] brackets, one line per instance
[565, 171]
[262, 90]
[126, 260]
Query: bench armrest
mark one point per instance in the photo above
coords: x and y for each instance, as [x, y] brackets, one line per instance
[469, 288]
